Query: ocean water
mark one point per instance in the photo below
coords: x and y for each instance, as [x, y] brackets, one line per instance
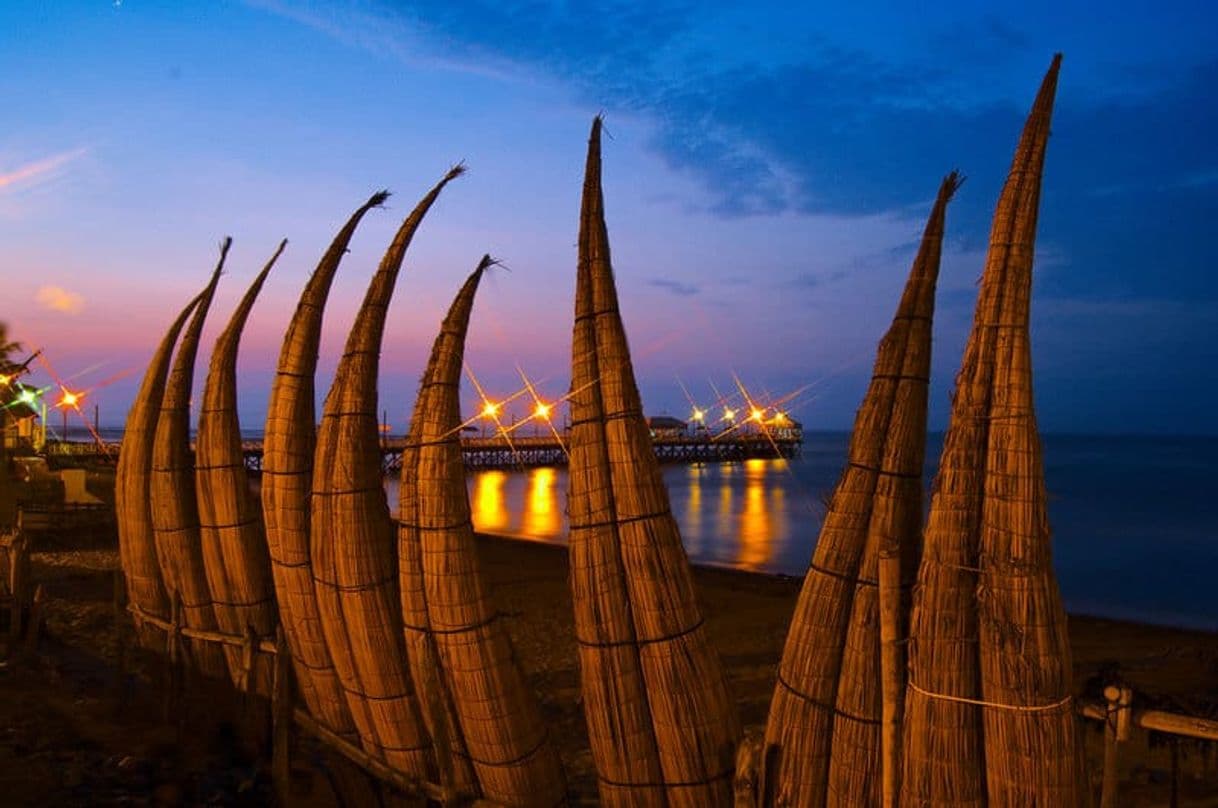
[1134, 519]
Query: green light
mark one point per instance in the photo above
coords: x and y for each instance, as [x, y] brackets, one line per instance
[27, 397]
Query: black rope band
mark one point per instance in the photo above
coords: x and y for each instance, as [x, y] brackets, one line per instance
[467, 522]
[460, 630]
[354, 587]
[290, 565]
[829, 708]
[293, 373]
[234, 525]
[240, 464]
[349, 414]
[347, 492]
[390, 697]
[545, 737]
[884, 472]
[714, 778]
[597, 313]
[637, 642]
[901, 377]
[622, 520]
[280, 473]
[243, 604]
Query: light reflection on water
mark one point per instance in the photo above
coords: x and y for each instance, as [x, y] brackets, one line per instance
[1133, 518]
[730, 514]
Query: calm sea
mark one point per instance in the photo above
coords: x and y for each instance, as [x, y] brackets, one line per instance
[1134, 519]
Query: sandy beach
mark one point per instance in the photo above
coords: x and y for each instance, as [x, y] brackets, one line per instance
[64, 739]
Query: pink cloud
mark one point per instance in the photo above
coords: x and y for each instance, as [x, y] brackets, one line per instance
[39, 168]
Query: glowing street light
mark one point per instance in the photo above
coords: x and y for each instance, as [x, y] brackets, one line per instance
[698, 415]
[69, 399]
[542, 411]
[490, 409]
[757, 415]
[729, 414]
[27, 396]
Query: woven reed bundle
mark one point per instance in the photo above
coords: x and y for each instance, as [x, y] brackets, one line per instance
[175, 512]
[499, 721]
[287, 483]
[353, 553]
[895, 523]
[614, 692]
[132, 506]
[235, 557]
[1033, 757]
[943, 747]
[834, 632]
[692, 716]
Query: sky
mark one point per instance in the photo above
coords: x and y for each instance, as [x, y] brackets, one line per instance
[768, 171]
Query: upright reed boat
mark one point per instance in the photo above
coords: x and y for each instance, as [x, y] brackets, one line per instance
[235, 557]
[662, 725]
[458, 646]
[989, 719]
[287, 483]
[352, 548]
[826, 718]
[175, 512]
[132, 506]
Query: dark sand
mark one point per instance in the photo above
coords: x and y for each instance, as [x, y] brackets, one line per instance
[63, 743]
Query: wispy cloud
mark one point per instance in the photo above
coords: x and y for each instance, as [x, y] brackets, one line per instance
[56, 298]
[676, 287]
[38, 170]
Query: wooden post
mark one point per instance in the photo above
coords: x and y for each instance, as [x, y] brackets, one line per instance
[248, 643]
[16, 585]
[33, 628]
[1175, 773]
[433, 703]
[173, 659]
[749, 784]
[892, 672]
[119, 603]
[1116, 731]
[282, 710]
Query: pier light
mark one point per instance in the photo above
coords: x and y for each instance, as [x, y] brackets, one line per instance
[5, 378]
[757, 414]
[69, 398]
[27, 397]
[729, 414]
[698, 415]
[489, 409]
[542, 411]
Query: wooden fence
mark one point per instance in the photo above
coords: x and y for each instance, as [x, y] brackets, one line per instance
[286, 716]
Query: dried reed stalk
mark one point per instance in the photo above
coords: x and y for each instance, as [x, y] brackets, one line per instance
[175, 512]
[352, 548]
[133, 510]
[235, 556]
[856, 770]
[287, 483]
[623, 537]
[448, 614]
[1033, 756]
[828, 682]
[944, 754]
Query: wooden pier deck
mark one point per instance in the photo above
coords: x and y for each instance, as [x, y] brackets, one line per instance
[519, 451]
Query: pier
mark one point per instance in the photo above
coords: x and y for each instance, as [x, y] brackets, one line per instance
[523, 451]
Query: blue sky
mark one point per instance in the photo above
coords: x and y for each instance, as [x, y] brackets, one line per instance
[767, 176]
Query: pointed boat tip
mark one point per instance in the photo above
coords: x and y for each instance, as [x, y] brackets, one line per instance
[952, 183]
[377, 199]
[457, 170]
